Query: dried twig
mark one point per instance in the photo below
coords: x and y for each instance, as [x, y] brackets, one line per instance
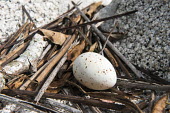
[13, 54]
[28, 15]
[50, 78]
[62, 106]
[18, 102]
[111, 57]
[25, 35]
[104, 45]
[14, 37]
[45, 51]
[76, 99]
[142, 85]
[122, 66]
[48, 56]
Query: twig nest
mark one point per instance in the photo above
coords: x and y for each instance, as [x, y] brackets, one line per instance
[2, 81]
[94, 71]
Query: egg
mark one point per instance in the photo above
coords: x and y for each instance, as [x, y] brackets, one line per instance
[94, 71]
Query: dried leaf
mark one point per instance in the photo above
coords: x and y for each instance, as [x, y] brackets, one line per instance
[111, 57]
[93, 47]
[93, 8]
[55, 37]
[13, 54]
[115, 36]
[76, 51]
[160, 105]
[76, 19]
[18, 82]
[53, 90]
[32, 86]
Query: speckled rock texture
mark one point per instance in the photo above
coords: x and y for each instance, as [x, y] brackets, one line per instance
[148, 34]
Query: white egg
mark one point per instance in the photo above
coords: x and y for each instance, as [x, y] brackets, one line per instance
[94, 71]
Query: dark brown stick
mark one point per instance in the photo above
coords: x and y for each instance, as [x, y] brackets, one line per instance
[125, 83]
[76, 99]
[99, 20]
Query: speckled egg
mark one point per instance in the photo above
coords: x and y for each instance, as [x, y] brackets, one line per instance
[94, 71]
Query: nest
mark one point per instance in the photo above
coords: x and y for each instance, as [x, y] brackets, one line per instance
[36, 64]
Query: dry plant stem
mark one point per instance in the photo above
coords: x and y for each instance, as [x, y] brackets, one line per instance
[151, 103]
[32, 78]
[26, 104]
[18, 102]
[55, 60]
[106, 41]
[124, 69]
[25, 35]
[99, 33]
[95, 109]
[27, 30]
[45, 51]
[52, 52]
[111, 57]
[47, 56]
[142, 85]
[74, 84]
[51, 24]
[115, 98]
[50, 78]
[13, 54]
[28, 15]
[14, 37]
[23, 16]
[85, 37]
[63, 106]
[76, 99]
[142, 105]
